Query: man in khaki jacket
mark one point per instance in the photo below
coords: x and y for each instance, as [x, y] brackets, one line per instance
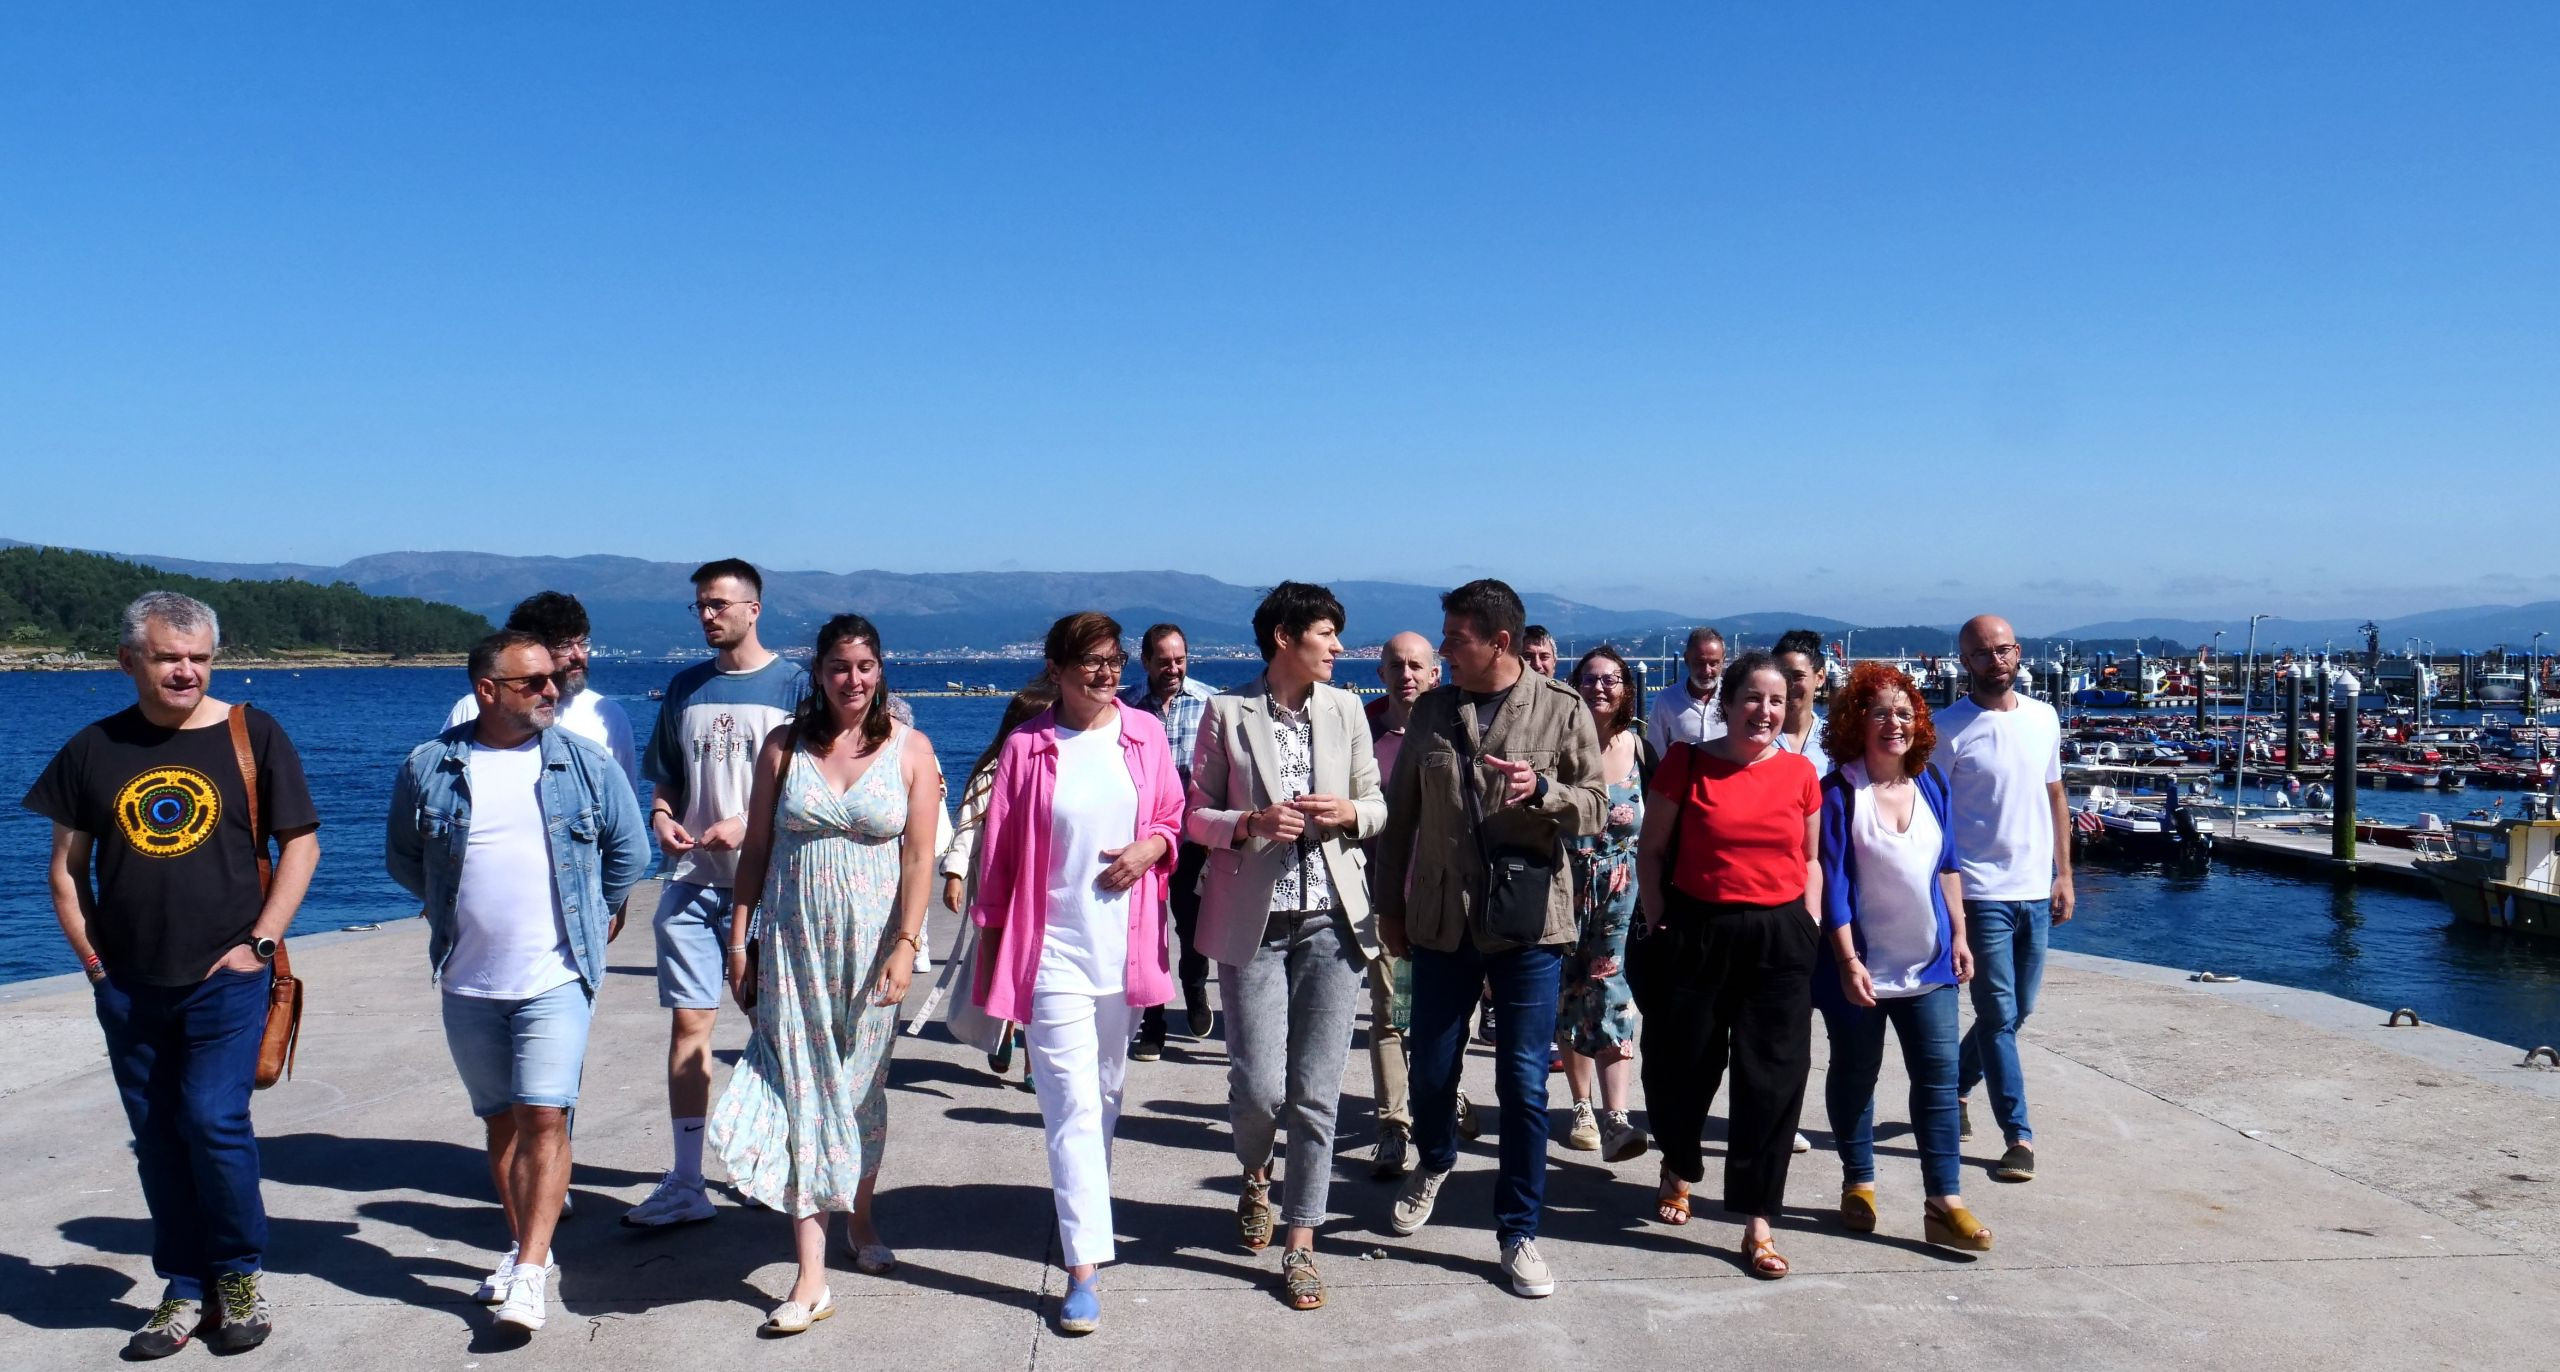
[1535, 761]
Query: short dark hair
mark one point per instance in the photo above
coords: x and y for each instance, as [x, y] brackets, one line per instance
[1490, 607]
[1072, 636]
[1804, 641]
[1738, 674]
[554, 616]
[486, 652]
[738, 567]
[1292, 608]
[1158, 633]
[1536, 633]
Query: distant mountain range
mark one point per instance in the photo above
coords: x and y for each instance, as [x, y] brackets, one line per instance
[638, 606]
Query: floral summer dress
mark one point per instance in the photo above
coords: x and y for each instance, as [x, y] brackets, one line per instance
[807, 1111]
[1599, 1013]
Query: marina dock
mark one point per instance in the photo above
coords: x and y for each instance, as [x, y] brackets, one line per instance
[2259, 846]
[2231, 1176]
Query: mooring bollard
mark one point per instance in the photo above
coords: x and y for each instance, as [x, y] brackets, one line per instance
[2535, 1056]
[2414, 1021]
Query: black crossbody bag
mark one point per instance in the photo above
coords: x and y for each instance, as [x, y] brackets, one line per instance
[1517, 877]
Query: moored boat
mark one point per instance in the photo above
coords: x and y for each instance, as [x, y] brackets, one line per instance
[2502, 873]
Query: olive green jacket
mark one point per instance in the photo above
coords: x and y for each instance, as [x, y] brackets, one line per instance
[1430, 872]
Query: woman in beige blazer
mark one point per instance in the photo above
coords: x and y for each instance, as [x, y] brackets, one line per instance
[1283, 788]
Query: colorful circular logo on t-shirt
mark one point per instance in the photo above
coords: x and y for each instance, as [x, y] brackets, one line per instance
[168, 810]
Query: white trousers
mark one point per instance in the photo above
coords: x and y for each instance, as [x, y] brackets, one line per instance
[1079, 1064]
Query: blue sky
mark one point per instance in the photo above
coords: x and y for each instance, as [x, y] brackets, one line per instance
[1888, 312]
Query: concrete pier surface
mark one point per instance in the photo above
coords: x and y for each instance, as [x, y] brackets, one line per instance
[2231, 1176]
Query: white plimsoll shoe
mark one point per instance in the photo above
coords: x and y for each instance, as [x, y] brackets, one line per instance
[672, 1201]
[528, 1297]
[791, 1317]
[493, 1287]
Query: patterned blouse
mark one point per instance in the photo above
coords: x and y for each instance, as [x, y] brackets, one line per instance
[1304, 884]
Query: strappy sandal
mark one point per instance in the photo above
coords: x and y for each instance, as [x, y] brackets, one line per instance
[1298, 1275]
[1955, 1227]
[1672, 1208]
[1253, 1215]
[1761, 1256]
[1858, 1208]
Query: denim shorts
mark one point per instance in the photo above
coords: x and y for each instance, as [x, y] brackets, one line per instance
[693, 946]
[519, 1052]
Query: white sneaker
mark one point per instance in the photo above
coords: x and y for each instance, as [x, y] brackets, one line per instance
[1801, 1145]
[527, 1306]
[672, 1201]
[1529, 1273]
[1584, 1136]
[493, 1287]
[1414, 1200]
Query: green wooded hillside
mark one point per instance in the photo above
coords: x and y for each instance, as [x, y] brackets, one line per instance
[56, 596]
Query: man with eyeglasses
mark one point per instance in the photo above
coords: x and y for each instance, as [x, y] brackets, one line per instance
[2002, 755]
[523, 841]
[701, 759]
[560, 622]
[1177, 701]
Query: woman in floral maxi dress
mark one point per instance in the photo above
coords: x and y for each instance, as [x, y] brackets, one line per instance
[804, 1118]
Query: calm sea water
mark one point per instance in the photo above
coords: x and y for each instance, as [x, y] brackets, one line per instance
[2371, 945]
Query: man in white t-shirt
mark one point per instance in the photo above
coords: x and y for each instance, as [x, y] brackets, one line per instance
[560, 622]
[1685, 711]
[2002, 755]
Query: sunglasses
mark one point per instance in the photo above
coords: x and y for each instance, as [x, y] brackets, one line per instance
[532, 685]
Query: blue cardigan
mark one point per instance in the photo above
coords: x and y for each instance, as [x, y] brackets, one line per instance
[1840, 881]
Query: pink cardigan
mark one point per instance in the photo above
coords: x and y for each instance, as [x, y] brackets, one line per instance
[1013, 863]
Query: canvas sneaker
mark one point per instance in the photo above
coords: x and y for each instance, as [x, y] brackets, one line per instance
[1801, 1144]
[1414, 1199]
[671, 1201]
[246, 1317]
[1395, 1154]
[1620, 1139]
[528, 1302]
[1469, 1127]
[1528, 1273]
[1584, 1136]
[173, 1322]
[493, 1287]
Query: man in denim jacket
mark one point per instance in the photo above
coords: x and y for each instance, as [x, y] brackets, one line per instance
[523, 840]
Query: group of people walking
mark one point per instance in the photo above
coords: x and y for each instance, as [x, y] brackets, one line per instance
[1672, 892]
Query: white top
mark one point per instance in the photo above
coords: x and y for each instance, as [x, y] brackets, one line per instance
[1812, 748]
[1679, 717]
[599, 719]
[1998, 763]
[1093, 809]
[510, 941]
[1895, 915]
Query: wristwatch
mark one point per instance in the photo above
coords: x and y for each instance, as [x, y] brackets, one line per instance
[265, 948]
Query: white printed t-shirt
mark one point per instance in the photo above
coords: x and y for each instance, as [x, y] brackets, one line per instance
[705, 749]
[510, 941]
[1998, 763]
[1094, 809]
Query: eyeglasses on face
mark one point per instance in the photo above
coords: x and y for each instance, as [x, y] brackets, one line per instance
[532, 685]
[1603, 681]
[1892, 713]
[2004, 651]
[568, 645]
[709, 606]
[1093, 663]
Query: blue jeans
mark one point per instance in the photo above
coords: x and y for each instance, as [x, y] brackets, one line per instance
[2008, 939]
[1926, 1026]
[1525, 985]
[185, 1059]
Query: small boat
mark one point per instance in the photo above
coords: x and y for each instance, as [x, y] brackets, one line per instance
[656, 694]
[2140, 830]
[2502, 873]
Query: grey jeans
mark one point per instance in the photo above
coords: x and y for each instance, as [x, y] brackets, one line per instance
[1289, 1014]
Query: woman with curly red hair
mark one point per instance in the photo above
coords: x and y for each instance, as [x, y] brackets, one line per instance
[1893, 949]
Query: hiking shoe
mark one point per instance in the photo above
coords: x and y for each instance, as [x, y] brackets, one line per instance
[493, 1287]
[1395, 1154]
[246, 1319]
[1620, 1139]
[1528, 1273]
[1414, 1199]
[1964, 1122]
[672, 1201]
[172, 1323]
[528, 1305]
[2018, 1164]
[1584, 1136]
[1195, 1009]
[1469, 1127]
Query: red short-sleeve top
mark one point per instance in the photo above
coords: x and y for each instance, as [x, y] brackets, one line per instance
[1741, 825]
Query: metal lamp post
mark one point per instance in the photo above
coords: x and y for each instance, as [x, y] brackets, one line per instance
[2240, 759]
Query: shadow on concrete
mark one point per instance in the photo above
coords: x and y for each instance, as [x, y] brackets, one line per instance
[75, 1295]
[327, 1250]
[434, 1166]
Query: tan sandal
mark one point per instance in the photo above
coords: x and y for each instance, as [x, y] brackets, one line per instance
[1761, 1256]
[1253, 1215]
[1298, 1276]
[1955, 1227]
[1671, 1207]
[1858, 1208]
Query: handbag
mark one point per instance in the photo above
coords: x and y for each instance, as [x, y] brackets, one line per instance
[1518, 876]
[755, 941]
[284, 994]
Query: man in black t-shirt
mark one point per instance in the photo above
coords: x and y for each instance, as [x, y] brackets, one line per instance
[176, 938]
